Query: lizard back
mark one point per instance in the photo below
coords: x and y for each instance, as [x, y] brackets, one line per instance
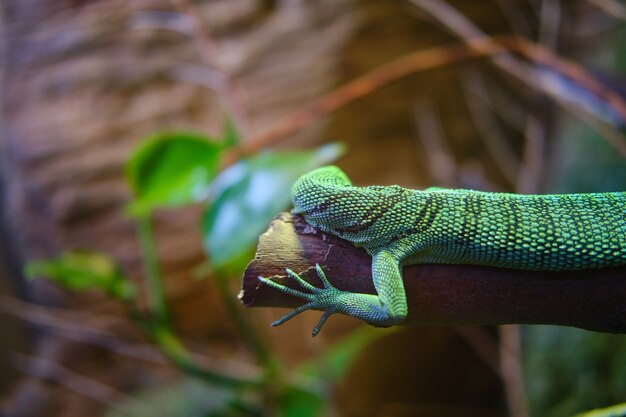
[533, 232]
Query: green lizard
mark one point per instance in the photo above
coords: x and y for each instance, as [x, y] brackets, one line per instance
[398, 226]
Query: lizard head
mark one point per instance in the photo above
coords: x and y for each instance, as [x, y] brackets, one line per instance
[313, 192]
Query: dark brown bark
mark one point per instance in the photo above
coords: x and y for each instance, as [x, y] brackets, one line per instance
[441, 294]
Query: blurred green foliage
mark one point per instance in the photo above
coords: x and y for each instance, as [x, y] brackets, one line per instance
[84, 270]
[173, 169]
[569, 370]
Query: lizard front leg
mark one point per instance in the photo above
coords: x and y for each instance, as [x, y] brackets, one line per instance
[387, 277]
[385, 309]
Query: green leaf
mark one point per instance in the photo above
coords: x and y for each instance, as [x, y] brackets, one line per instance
[569, 369]
[83, 270]
[171, 169]
[231, 136]
[248, 195]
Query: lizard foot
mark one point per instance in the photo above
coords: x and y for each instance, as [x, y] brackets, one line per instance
[327, 299]
[330, 300]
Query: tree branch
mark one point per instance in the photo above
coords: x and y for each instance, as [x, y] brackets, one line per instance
[440, 294]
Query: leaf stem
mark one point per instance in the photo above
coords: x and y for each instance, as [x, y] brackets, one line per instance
[153, 282]
[157, 325]
[179, 355]
[249, 334]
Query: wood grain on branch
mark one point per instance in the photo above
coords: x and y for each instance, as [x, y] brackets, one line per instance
[440, 294]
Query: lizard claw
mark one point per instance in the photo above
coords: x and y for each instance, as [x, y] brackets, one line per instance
[318, 298]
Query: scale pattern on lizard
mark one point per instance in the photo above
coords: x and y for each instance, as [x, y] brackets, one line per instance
[398, 226]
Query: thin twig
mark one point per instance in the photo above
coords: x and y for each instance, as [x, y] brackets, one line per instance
[550, 23]
[93, 332]
[418, 61]
[55, 316]
[208, 51]
[488, 128]
[511, 370]
[529, 178]
[528, 181]
[508, 109]
[439, 160]
[569, 69]
[198, 74]
[611, 7]
[472, 36]
[176, 22]
[357, 88]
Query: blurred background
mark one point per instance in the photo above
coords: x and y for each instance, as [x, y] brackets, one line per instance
[147, 143]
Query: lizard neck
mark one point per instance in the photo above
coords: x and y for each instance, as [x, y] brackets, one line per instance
[369, 216]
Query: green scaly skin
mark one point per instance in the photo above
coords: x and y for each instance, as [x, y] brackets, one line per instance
[400, 227]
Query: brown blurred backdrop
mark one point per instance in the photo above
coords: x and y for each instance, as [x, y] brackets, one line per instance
[84, 81]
